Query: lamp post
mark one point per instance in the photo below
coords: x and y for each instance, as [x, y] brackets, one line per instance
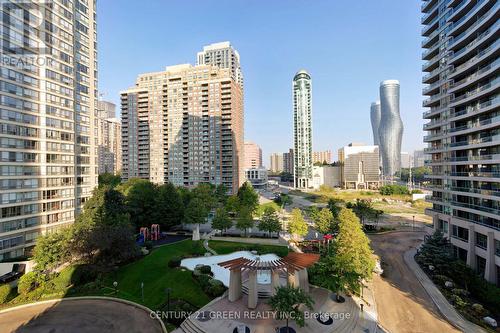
[142, 291]
[413, 228]
[115, 284]
[168, 291]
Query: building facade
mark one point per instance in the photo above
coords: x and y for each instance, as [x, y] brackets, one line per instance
[276, 162]
[257, 177]
[322, 157]
[419, 158]
[406, 160]
[184, 125]
[375, 115]
[463, 129]
[222, 55]
[288, 161]
[359, 166]
[109, 139]
[302, 129]
[327, 175]
[48, 98]
[253, 156]
[391, 128]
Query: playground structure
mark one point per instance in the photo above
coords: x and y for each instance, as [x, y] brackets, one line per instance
[145, 234]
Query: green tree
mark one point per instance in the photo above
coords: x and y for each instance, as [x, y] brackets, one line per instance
[363, 209]
[244, 219]
[287, 304]
[51, 250]
[109, 179]
[169, 206]
[206, 193]
[196, 212]
[324, 222]
[350, 259]
[283, 200]
[334, 206]
[232, 204]
[247, 197]
[270, 221]
[141, 198]
[221, 220]
[297, 226]
[103, 232]
[221, 194]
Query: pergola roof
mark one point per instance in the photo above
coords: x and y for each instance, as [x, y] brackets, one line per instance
[292, 262]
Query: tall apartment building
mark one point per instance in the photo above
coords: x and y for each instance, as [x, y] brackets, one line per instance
[109, 135]
[253, 156]
[48, 98]
[419, 158]
[288, 161]
[302, 129]
[461, 53]
[322, 156]
[359, 166]
[184, 125]
[406, 160]
[276, 164]
[222, 55]
[106, 110]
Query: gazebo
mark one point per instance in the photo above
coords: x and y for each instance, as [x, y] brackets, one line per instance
[294, 265]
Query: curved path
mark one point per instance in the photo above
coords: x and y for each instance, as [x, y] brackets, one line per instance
[403, 305]
[78, 315]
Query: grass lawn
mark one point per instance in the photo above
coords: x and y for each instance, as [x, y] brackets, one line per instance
[222, 247]
[153, 270]
[260, 209]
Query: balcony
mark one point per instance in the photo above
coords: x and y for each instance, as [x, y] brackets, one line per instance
[431, 64]
[432, 88]
[433, 99]
[491, 210]
[475, 92]
[495, 193]
[482, 37]
[434, 124]
[474, 60]
[434, 137]
[432, 75]
[470, 14]
[478, 174]
[473, 77]
[476, 109]
[476, 125]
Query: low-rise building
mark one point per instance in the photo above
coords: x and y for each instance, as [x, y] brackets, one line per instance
[327, 175]
[257, 176]
[276, 162]
[359, 166]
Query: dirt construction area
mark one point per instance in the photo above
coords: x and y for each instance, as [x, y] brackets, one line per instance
[403, 305]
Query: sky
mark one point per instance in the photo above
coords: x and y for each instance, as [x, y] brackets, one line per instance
[347, 46]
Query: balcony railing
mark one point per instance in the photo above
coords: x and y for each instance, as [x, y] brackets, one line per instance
[495, 193]
[476, 74]
[471, 44]
[466, 17]
[475, 125]
[492, 210]
[476, 174]
[476, 91]
[475, 58]
[476, 108]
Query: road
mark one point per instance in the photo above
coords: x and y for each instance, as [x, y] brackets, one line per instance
[81, 316]
[403, 305]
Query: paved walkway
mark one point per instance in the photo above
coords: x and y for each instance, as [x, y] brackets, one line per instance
[403, 305]
[78, 315]
[262, 241]
[446, 309]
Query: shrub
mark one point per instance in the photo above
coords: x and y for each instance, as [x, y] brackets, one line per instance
[216, 288]
[393, 189]
[174, 262]
[460, 292]
[205, 269]
[28, 282]
[204, 281]
[5, 290]
[458, 301]
[441, 279]
[148, 245]
[479, 310]
[83, 274]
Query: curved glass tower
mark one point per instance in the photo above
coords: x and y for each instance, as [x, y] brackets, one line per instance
[302, 129]
[375, 119]
[391, 127]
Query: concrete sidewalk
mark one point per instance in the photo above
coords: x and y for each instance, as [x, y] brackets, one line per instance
[444, 307]
[262, 241]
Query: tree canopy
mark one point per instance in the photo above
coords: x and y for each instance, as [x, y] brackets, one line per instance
[297, 226]
[270, 221]
[287, 304]
[221, 220]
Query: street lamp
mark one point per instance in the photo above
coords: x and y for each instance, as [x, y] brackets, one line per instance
[115, 284]
[168, 291]
[413, 223]
[142, 291]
